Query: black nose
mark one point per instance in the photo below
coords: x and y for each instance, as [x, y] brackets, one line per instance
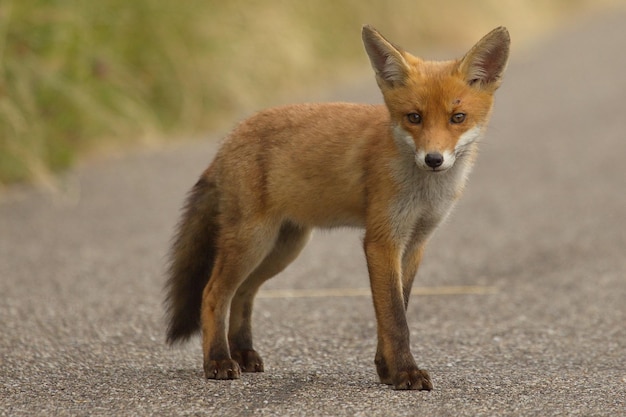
[434, 159]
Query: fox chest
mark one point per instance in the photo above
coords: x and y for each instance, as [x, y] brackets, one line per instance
[422, 204]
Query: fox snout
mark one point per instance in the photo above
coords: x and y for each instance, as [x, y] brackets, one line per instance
[434, 160]
[438, 158]
[427, 158]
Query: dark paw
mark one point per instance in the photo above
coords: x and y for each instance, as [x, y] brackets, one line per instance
[383, 370]
[222, 369]
[248, 360]
[414, 379]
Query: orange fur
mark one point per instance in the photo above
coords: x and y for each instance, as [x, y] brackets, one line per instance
[394, 169]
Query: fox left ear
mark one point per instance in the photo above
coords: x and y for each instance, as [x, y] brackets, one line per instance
[484, 64]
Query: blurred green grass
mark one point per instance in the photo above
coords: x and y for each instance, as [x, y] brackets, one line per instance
[78, 76]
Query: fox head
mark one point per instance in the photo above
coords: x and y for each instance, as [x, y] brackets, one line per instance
[438, 109]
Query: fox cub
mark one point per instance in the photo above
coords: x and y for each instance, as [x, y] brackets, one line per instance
[395, 170]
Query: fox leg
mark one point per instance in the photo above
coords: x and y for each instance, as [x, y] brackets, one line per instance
[410, 263]
[291, 240]
[240, 250]
[394, 362]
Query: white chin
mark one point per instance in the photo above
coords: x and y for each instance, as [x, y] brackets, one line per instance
[434, 170]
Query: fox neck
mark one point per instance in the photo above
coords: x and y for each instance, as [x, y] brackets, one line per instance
[425, 198]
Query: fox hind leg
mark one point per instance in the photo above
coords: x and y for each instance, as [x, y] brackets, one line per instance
[290, 242]
[241, 249]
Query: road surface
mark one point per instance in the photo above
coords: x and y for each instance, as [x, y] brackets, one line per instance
[520, 305]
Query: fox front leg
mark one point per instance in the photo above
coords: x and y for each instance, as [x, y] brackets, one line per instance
[394, 362]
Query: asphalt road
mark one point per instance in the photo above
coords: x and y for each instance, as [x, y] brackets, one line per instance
[520, 305]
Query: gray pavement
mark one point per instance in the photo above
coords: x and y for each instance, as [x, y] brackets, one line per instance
[541, 230]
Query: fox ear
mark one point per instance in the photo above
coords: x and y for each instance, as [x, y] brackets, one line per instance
[388, 62]
[484, 64]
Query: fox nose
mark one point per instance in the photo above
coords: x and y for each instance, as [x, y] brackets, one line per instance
[434, 160]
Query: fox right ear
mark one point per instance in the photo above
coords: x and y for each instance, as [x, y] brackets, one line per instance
[388, 61]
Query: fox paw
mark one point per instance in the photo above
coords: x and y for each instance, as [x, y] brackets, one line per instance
[383, 370]
[222, 369]
[413, 379]
[248, 360]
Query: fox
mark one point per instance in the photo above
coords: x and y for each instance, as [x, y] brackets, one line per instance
[395, 170]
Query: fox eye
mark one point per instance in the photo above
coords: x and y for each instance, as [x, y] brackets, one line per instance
[414, 118]
[457, 118]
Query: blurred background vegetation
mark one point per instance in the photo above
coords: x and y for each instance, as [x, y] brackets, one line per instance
[80, 77]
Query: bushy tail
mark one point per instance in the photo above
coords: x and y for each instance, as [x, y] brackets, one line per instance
[191, 260]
